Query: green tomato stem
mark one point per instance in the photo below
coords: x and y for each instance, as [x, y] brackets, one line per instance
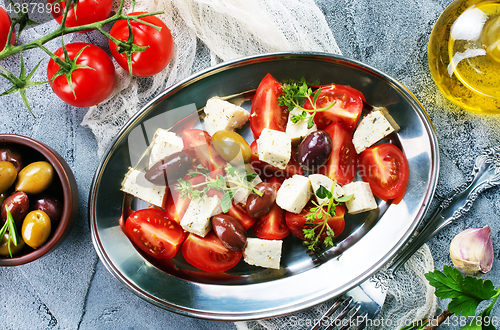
[62, 30]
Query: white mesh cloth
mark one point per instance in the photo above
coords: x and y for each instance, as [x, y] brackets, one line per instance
[207, 32]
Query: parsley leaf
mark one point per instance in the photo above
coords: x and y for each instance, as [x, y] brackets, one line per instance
[466, 293]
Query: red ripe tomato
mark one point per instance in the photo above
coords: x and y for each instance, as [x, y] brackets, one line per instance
[197, 146]
[5, 23]
[296, 222]
[85, 12]
[239, 213]
[160, 45]
[176, 206]
[91, 86]
[266, 112]
[385, 168]
[154, 233]
[341, 165]
[272, 225]
[347, 108]
[266, 171]
[208, 254]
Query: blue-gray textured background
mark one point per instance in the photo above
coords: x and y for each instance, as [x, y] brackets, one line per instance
[71, 289]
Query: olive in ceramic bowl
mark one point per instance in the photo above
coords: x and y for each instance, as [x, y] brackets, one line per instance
[62, 183]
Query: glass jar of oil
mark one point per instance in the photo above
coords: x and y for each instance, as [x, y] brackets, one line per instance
[464, 54]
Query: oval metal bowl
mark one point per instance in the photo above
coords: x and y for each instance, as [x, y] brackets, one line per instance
[248, 292]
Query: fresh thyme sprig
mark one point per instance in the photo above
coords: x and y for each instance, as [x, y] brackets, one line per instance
[10, 227]
[295, 94]
[316, 224]
[237, 178]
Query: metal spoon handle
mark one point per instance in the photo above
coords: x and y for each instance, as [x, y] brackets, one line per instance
[485, 174]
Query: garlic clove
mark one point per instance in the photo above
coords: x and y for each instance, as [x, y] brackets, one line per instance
[471, 251]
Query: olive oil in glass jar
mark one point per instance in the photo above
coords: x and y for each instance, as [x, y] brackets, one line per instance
[464, 54]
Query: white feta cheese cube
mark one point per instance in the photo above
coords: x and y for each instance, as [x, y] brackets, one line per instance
[197, 219]
[274, 147]
[242, 194]
[294, 193]
[372, 128]
[136, 185]
[318, 180]
[362, 199]
[222, 115]
[164, 144]
[298, 130]
[263, 253]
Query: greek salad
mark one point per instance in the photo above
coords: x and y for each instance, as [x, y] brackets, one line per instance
[217, 198]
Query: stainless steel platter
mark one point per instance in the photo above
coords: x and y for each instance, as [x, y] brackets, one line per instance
[247, 292]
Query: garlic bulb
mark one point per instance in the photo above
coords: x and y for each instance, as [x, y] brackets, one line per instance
[472, 251]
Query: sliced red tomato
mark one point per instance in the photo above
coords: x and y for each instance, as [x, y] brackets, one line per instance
[197, 145]
[175, 206]
[347, 108]
[266, 112]
[266, 171]
[272, 225]
[341, 165]
[208, 254]
[239, 213]
[154, 233]
[296, 222]
[385, 168]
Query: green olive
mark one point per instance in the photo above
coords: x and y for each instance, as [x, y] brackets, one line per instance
[4, 245]
[229, 144]
[35, 178]
[36, 228]
[8, 175]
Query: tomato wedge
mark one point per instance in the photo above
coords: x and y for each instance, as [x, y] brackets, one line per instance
[238, 212]
[347, 108]
[154, 233]
[266, 112]
[385, 168]
[296, 222]
[266, 171]
[208, 254]
[341, 165]
[197, 146]
[272, 225]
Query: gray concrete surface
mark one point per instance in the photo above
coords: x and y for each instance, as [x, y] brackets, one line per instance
[71, 289]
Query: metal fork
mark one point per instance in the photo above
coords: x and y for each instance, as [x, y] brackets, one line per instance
[365, 301]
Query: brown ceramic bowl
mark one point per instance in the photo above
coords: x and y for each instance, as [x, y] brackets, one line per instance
[64, 183]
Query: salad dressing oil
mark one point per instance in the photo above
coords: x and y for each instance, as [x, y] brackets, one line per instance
[464, 54]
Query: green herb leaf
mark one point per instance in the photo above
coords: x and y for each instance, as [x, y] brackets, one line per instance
[322, 192]
[226, 201]
[251, 176]
[310, 122]
[466, 293]
[343, 199]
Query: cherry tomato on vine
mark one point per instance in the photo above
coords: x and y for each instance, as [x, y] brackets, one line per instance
[154, 233]
[385, 168]
[160, 45]
[91, 86]
[86, 12]
[5, 23]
